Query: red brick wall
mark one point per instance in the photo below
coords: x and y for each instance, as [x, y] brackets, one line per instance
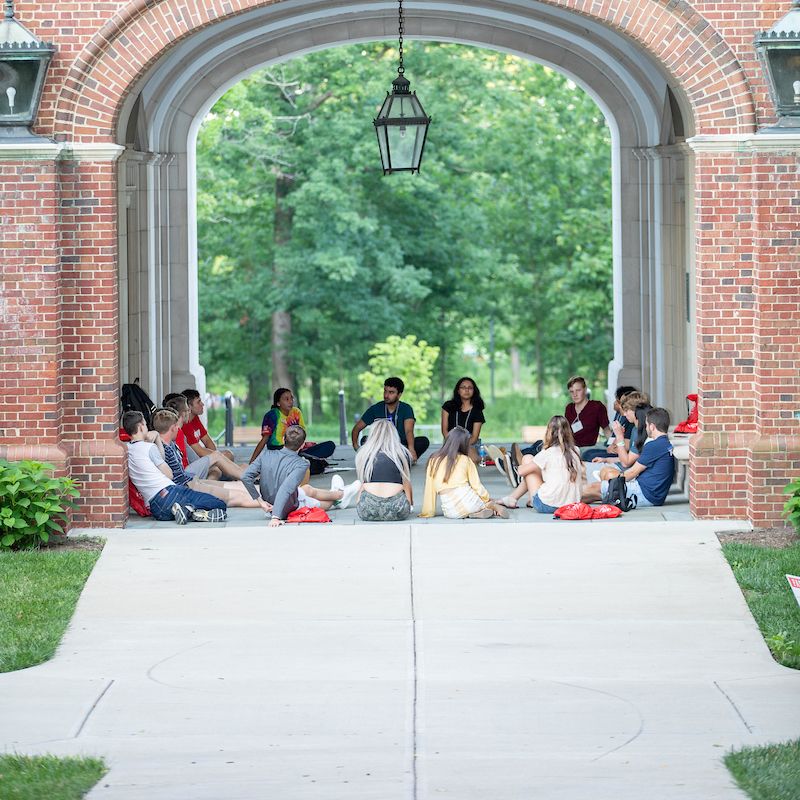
[748, 333]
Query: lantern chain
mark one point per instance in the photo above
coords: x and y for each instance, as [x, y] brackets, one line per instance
[401, 68]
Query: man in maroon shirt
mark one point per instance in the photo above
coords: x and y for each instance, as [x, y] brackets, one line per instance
[587, 417]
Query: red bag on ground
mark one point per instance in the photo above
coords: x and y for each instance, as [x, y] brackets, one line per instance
[307, 514]
[606, 511]
[574, 511]
[135, 499]
[689, 425]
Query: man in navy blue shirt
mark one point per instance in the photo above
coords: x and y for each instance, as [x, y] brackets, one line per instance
[650, 477]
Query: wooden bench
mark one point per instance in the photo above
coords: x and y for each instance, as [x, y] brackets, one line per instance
[247, 434]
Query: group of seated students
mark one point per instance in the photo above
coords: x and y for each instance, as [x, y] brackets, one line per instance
[567, 466]
[182, 476]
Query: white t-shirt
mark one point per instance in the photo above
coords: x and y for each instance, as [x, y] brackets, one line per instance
[143, 460]
[558, 489]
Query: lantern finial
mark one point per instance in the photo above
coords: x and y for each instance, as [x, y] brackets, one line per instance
[9, 9]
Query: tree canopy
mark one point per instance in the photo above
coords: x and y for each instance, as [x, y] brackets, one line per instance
[308, 256]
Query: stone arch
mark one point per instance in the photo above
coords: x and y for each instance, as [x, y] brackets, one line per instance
[698, 60]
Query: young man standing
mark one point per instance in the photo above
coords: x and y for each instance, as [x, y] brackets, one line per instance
[651, 475]
[399, 413]
[167, 424]
[586, 417]
[153, 478]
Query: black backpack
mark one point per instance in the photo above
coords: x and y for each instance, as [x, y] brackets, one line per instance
[617, 495]
[134, 398]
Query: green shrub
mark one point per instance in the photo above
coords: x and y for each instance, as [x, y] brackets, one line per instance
[33, 504]
[792, 508]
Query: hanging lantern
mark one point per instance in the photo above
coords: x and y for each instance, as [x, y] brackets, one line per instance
[401, 124]
[23, 66]
[779, 51]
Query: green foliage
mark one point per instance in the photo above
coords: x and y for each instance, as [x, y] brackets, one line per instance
[761, 572]
[510, 219]
[404, 357]
[37, 777]
[767, 773]
[33, 504]
[38, 593]
[791, 509]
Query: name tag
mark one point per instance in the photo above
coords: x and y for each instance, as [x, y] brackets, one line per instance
[577, 426]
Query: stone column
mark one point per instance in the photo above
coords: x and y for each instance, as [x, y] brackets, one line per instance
[748, 325]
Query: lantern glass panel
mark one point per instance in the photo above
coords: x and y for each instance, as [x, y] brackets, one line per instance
[405, 145]
[21, 75]
[785, 68]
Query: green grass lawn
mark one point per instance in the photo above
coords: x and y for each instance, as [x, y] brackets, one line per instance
[38, 593]
[767, 773]
[48, 777]
[761, 573]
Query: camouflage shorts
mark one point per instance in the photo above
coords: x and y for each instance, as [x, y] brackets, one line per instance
[372, 508]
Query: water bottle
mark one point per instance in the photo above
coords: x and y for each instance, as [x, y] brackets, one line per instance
[482, 454]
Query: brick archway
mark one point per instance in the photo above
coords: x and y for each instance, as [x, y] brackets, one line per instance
[62, 313]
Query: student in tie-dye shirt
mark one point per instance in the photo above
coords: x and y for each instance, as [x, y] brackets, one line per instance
[282, 415]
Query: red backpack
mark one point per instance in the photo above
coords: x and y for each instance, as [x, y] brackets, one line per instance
[689, 425]
[135, 498]
[584, 511]
[307, 514]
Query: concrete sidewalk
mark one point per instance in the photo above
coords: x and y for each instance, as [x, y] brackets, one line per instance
[490, 661]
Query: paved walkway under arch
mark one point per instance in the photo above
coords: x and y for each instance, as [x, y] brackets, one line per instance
[610, 659]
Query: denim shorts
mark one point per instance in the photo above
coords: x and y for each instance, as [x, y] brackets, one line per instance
[541, 507]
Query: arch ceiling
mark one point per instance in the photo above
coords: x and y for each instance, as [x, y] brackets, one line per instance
[170, 100]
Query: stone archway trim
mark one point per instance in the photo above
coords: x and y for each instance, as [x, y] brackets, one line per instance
[685, 44]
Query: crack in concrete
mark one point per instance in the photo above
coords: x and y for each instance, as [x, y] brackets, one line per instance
[91, 709]
[734, 707]
[149, 673]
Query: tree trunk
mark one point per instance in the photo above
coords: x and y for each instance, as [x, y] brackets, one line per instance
[516, 383]
[539, 364]
[316, 394]
[281, 318]
[257, 394]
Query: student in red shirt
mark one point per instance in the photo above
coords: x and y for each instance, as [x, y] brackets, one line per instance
[586, 417]
[199, 443]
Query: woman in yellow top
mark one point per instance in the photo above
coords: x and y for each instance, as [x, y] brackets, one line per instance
[453, 478]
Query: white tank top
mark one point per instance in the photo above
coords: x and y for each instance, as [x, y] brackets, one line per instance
[146, 476]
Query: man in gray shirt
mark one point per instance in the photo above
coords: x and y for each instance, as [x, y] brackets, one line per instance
[281, 472]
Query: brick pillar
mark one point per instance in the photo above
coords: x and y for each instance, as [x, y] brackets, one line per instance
[30, 290]
[748, 326]
[90, 340]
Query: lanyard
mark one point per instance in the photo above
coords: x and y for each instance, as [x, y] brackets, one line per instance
[391, 416]
[466, 421]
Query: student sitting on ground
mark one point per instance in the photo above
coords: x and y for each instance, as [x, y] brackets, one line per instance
[382, 466]
[167, 424]
[453, 477]
[586, 417]
[399, 413]
[281, 416]
[213, 465]
[554, 476]
[283, 480]
[465, 409]
[153, 478]
[611, 445]
[635, 407]
[651, 475]
[197, 438]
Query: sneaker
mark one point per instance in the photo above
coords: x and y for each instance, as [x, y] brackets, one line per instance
[507, 469]
[337, 483]
[497, 457]
[350, 491]
[209, 515]
[179, 515]
[516, 460]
